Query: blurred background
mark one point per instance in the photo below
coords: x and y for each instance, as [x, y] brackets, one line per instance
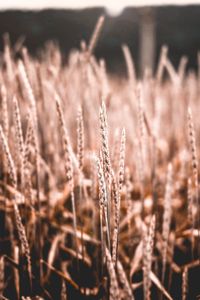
[143, 28]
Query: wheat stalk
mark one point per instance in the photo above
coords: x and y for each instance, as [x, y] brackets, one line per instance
[184, 283]
[19, 138]
[23, 239]
[68, 163]
[103, 198]
[5, 118]
[116, 200]
[10, 162]
[95, 35]
[182, 67]
[192, 143]
[80, 138]
[104, 141]
[147, 258]
[161, 64]
[191, 205]
[2, 269]
[129, 65]
[28, 91]
[63, 291]
[122, 160]
[114, 288]
[166, 218]
[8, 58]
[128, 295]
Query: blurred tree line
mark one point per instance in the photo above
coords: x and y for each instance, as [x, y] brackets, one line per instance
[178, 27]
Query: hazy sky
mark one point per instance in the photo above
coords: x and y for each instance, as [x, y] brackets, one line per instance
[113, 6]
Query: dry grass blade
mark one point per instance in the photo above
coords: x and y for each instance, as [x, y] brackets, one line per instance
[53, 250]
[87, 238]
[62, 275]
[137, 258]
[159, 285]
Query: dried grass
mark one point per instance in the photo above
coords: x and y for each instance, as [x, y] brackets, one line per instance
[88, 210]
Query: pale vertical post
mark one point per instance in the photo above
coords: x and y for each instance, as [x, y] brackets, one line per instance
[147, 37]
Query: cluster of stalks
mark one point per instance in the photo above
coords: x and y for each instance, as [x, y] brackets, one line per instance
[99, 187]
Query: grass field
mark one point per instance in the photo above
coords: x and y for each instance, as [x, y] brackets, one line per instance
[99, 177]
